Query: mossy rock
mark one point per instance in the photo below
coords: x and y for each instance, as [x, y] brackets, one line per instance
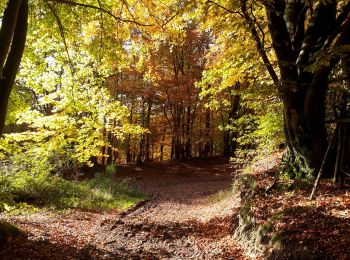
[7, 230]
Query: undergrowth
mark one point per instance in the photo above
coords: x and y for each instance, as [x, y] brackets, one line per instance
[23, 190]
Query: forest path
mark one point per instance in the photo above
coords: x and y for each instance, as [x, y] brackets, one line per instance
[190, 214]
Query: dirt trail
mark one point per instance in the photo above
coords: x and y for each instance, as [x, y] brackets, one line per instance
[189, 215]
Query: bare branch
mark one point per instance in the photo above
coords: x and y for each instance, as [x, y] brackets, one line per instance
[130, 13]
[63, 36]
[225, 8]
[338, 26]
[117, 18]
[255, 20]
[171, 18]
[7, 29]
[252, 24]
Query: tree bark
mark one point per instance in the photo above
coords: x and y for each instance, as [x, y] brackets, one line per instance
[13, 34]
[302, 90]
[148, 122]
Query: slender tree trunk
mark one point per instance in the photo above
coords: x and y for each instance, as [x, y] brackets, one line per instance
[230, 144]
[177, 142]
[172, 152]
[128, 152]
[148, 122]
[188, 144]
[140, 154]
[162, 148]
[207, 134]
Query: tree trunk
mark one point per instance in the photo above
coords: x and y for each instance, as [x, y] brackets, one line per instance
[303, 90]
[13, 34]
[207, 134]
[230, 144]
[148, 142]
[140, 154]
[162, 148]
[305, 129]
[188, 144]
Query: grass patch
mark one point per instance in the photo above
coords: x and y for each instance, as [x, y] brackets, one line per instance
[44, 190]
[219, 196]
[111, 170]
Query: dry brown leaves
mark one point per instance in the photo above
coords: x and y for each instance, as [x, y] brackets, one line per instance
[178, 222]
[320, 227]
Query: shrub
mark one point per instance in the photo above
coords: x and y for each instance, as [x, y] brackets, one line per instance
[53, 191]
[111, 170]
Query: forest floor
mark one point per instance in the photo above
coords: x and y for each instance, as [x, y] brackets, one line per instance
[279, 221]
[190, 214]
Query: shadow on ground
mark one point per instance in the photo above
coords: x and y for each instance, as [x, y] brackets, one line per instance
[182, 182]
[312, 233]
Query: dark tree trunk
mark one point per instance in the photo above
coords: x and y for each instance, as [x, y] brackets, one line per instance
[13, 34]
[207, 144]
[128, 152]
[161, 151]
[172, 152]
[227, 147]
[140, 154]
[230, 144]
[303, 90]
[178, 149]
[148, 121]
[188, 144]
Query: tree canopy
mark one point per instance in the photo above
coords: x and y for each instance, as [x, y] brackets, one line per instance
[101, 81]
[179, 98]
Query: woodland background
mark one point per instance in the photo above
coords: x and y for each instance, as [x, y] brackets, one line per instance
[89, 86]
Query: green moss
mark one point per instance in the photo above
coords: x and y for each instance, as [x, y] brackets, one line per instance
[246, 182]
[246, 215]
[295, 166]
[265, 228]
[277, 238]
[9, 229]
[219, 196]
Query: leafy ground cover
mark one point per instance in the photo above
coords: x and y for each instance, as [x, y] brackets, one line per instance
[188, 215]
[25, 191]
[192, 211]
[288, 224]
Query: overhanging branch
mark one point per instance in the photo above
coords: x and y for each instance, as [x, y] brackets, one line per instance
[117, 18]
[13, 59]
[225, 8]
[7, 29]
[61, 29]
